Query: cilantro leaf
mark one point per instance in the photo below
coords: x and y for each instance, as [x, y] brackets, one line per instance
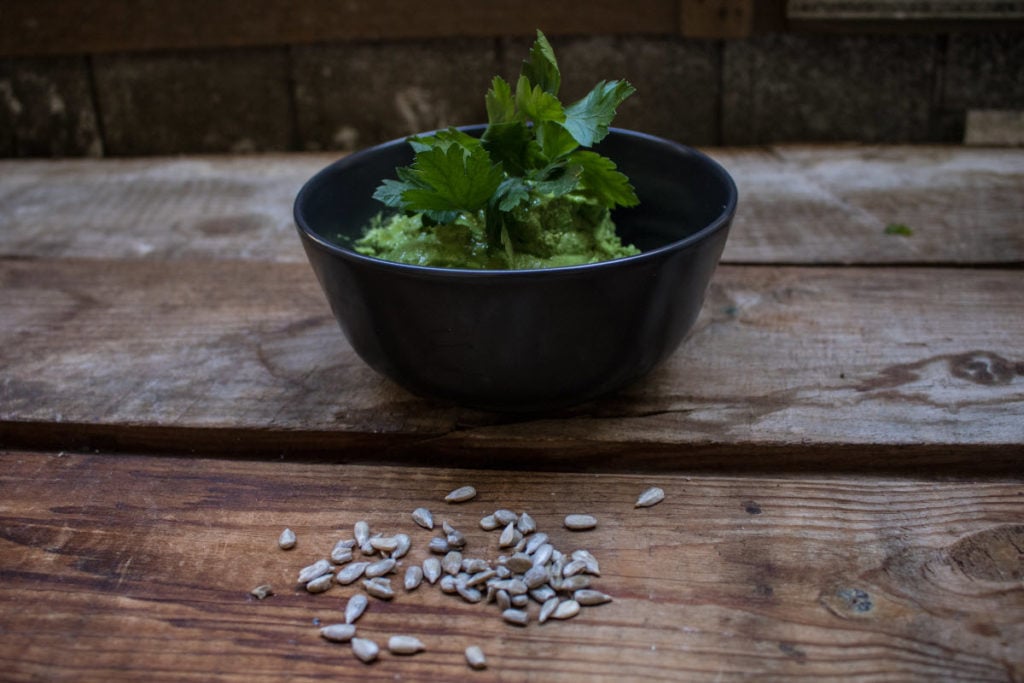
[541, 69]
[601, 180]
[589, 118]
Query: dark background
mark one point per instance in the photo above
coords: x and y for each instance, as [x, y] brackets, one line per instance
[137, 77]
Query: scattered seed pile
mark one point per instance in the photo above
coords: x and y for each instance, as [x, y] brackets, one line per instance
[531, 571]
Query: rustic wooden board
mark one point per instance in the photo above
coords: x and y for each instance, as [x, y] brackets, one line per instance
[96, 26]
[798, 205]
[133, 568]
[917, 366]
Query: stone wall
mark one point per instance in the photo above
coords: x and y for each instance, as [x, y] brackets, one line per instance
[888, 87]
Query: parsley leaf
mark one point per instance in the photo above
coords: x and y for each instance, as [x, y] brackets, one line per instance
[541, 68]
[588, 119]
[530, 149]
[600, 179]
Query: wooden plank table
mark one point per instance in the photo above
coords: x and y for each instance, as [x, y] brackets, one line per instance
[840, 440]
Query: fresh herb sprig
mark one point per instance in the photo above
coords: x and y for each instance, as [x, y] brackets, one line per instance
[533, 146]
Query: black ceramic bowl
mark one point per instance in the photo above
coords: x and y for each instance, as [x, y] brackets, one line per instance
[524, 340]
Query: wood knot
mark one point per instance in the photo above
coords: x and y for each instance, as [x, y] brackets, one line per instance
[982, 367]
[995, 554]
[847, 602]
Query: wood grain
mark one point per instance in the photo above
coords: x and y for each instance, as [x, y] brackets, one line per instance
[886, 367]
[123, 568]
[798, 205]
[100, 26]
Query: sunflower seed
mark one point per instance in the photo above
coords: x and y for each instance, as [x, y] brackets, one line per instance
[516, 616]
[432, 569]
[461, 495]
[543, 555]
[575, 583]
[574, 567]
[587, 597]
[589, 559]
[451, 563]
[502, 572]
[468, 593]
[520, 601]
[526, 525]
[519, 563]
[355, 607]
[504, 517]
[547, 609]
[503, 599]
[566, 610]
[404, 645]
[508, 536]
[473, 565]
[320, 584]
[481, 577]
[413, 577]
[475, 657]
[261, 592]
[580, 522]
[341, 554]
[535, 542]
[379, 588]
[364, 649]
[535, 577]
[379, 568]
[448, 584]
[456, 539]
[385, 544]
[314, 571]
[361, 530]
[404, 543]
[542, 593]
[489, 523]
[287, 540]
[338, 633]
[651, 496]
[423, 517]
[438, 545]
[350, 572]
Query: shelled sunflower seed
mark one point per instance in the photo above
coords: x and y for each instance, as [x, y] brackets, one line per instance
[461, 495]
[651, 496]
[580, 522]
[531, 580]
[423, 518]
[413, 577]
[320, 584]
[355, 607]
[338, 633]
[364, 649]
[262, 591]
[475, 657]
[405, 645]
[287, 540]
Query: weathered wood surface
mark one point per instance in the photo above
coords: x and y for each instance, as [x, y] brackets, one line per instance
[914, 366]
[798, 205]
[130, 568]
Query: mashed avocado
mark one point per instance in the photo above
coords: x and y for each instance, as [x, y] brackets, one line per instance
[549, 232]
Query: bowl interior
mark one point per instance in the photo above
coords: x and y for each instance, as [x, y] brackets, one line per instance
[682, 192]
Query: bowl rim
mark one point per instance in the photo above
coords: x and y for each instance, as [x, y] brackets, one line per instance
[723, 219]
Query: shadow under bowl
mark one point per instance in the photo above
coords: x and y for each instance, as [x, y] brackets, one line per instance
[524, 340]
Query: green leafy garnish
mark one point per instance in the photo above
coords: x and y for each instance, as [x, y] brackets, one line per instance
[533, 148]
[898, 229]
